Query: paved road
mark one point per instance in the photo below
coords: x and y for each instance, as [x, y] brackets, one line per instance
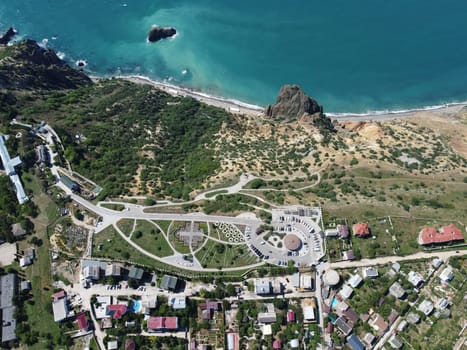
[389, 259]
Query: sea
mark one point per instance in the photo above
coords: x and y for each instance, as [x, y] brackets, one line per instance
[352, 56]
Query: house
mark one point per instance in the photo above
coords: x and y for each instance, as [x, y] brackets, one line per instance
[309, 313]
[296, 280]
[294, 344]
[18, 230]
[370, 272]
[361, 230]
[343, 326]
[267, 329]
[348, 255]
[113, 270]
[331, 232]
[233, 342]
[330, 328]
[135, 273]
[130, 344]
[395, 342]
[396, 267]
[307, 281]
[25, 286]
[177, 302]
[346, 291]
[449, 233]
[446, 275]
[60, 309]
[396, 290]
[82, 321]
[343, 231]
[8, 285]
[442, 304]
[437, 263]
[112, 345]
[59, 295]
[290, 316]
[162, 324]
[415, 278]
[413, 318]
[351, 315]
[355, 343]
[379, 324]
[208, 309]
[341, 306]
[426, 307]
[267, 317]
[369, 338]
[116, 311]
[169, 283]
[355, 280]
[91, 272]
[401, 326]
[262, 287]
[148, 303]
[393, 316]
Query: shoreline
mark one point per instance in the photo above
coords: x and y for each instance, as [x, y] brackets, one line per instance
[239, 107]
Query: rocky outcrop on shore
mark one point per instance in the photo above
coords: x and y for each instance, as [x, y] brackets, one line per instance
[292, 102]
[27, 66]
[157, 33]
[5, 38]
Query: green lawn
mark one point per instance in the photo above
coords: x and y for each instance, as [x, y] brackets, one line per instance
[113, 206]
[148, 236]
[126, 226]
[163, 224]
[212, 255]
[39, 310]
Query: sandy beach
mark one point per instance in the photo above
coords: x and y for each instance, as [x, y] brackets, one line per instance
[232, 106]
[239, 107]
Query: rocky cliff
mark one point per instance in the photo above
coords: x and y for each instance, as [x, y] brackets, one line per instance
[28, 66]
[292, 103]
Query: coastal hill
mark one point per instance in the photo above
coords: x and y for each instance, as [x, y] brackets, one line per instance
[135, 139]
[27, 66]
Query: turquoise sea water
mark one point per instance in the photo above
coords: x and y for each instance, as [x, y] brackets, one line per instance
[351, 55]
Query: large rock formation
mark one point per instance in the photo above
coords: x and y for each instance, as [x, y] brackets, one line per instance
[157, 33]
[28, 66]
[292, 103]
[5, 38]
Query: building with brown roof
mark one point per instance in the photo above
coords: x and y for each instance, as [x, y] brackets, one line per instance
[162, 324]
[361, 229]
[379, 324]
[449, 233]
[343, 231]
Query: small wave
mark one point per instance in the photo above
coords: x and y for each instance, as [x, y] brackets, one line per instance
[44, 43]
[61, 55]
[81, 63]
[397, 111]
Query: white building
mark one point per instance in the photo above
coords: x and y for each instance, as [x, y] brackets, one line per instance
[355, 280]
[370, 272]
[426, 307]
[60, 310]
[446, 275]
[415, 278]
[346, 291]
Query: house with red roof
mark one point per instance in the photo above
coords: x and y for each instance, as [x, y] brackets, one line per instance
[116, 311]
[130, 344]
[276, 345]
[290, 316]
[361, 229]
[208, 308]
[59, 295]
[448, 233]
[83, 323]
[162, 324]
